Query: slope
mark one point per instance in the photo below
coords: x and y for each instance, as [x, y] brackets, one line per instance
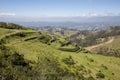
[51, 63]
[98, 45]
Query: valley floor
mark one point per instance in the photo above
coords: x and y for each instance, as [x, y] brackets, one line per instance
[101, 44]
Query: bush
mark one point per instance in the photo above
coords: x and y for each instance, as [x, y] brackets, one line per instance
[3, 25]
[69, 61]
[100, 75]
[108, 51]
[90, 78]
[91, 60]
[21, 34]
[13, 66]
[3, 41]
[19, 60]
[45, 39]
[70, 50]
[11, 26]
[31, 38]
[103, 66]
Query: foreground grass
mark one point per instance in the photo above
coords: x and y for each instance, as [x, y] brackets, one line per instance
[93, 62]
[115, 43]
[34, 50]
[5, 31]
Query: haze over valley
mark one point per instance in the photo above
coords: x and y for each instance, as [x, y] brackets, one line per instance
[59, 40]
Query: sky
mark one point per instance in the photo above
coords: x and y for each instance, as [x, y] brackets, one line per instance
[43, 9]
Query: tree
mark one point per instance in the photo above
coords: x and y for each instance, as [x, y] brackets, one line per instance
[3, 25]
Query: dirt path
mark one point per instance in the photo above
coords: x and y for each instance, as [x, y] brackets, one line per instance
[94, 46]
[16, 31]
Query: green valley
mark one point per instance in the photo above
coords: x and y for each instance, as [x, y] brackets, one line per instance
[28, 54]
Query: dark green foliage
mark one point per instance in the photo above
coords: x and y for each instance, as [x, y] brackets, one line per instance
[90, 78]
[53, 39]
[100, 75]
[11, 26]
[14, 26]
[90, 59]
[31, 38]
[3, 41]
[44, 38]
[69, 61]
[70, 50]
[113, 73]
[3, 25]
[5, 49]
[103, 66]
[108, 51]
[18, 60]
[65, 43]
[50, 68]
[21, 34]
[13, 66]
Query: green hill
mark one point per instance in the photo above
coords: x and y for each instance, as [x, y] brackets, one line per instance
[32, 55]
[111, 47]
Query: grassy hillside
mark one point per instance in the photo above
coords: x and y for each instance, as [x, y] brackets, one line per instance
[115, 43]
[111, 47]
[4, 31]
[33, 55]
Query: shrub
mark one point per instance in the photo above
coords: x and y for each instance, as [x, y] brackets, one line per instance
[31, 38]
[69, 61]
[45, 39]
[18, 60]
[108, 51]
[90, 59]
[103, 66]
[13, 66]
[70, 50]
[90, 78]
[100, 75]
[113, 73]
[3, 25]
[21, 34]
[3, 41]
[11, 26]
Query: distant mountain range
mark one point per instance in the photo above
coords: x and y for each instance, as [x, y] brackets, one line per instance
[71, 25]
[80, 23]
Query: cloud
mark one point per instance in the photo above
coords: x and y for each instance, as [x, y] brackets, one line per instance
[7, 14]
[98, 15]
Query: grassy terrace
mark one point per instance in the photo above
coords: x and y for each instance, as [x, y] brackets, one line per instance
[35, 50]
[31, 50]
[5, 31]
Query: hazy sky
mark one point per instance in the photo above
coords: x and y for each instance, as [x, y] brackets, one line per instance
[59, 8]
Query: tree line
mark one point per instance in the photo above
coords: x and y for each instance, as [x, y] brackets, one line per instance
[11, 26]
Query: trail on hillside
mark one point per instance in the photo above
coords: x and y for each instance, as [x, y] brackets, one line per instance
[16, 31]
[94, 46]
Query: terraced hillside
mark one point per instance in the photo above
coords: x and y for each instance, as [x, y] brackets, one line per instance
[33, 55]
[5, 31]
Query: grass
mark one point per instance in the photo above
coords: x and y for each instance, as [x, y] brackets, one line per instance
[31, 49]
[115, 44]
[4, 31]
[112, 63]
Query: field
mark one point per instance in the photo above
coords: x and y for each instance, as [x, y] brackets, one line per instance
[35, 51]
[115, 43]
[4, 31]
